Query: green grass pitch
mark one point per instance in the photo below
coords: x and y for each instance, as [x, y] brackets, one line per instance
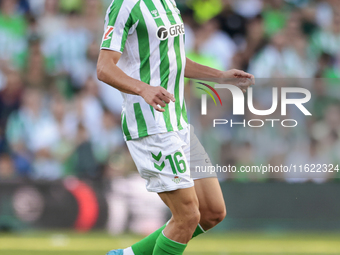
[234, 243]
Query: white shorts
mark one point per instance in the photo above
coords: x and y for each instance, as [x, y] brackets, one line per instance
[167, 161]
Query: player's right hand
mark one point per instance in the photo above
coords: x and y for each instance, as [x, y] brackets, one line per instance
[157, 97]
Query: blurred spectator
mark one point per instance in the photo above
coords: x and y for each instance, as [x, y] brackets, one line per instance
[279, 59]
[274, 16]
[12, 34]
[89, 108]
[23, 159]
[211, 41]
[32, 123]
[45, 166]
[255, 41]
[51, 22]
[36, 71]
[93, 18]
[86, 165]
[324, 13]
[66, 122]
[3, 142]
[328, 40]
[330, 123]
[322, 100]
[67, 48]
[7, 169]
[109, 138]
[247, 8]
[10, 96]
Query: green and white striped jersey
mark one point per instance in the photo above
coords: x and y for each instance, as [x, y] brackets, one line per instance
[150, 36]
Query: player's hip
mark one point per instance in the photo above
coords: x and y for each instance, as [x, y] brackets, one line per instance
[167, 160]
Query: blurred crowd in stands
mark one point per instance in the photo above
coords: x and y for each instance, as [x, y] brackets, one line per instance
[57, 119]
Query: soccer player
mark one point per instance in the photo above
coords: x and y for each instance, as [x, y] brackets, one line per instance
[142, 55]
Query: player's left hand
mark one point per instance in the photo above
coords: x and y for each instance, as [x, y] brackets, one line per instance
[239, 78]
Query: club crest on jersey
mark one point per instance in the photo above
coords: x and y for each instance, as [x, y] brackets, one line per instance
[108, 32]
[155, 14]
[177, 179]
[163, 33]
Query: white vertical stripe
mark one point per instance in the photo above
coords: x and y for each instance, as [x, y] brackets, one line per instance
[172, 80]
[147, 114]
[132, 46]
[155, 59]
[172, 65]
[181, 82]
[130, 114]
[119, 25]
[183, 58]
[120, 22]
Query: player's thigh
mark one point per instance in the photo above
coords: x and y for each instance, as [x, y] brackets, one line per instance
[210, 197]
[198, 159]
[207, 187]
[181, 202]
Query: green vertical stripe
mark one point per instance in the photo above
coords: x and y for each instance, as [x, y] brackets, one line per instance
[126, 32]
[115, 8]
[165, 5]
[125, 128]
[144, 50]
[178, 76]
[141, 124]
[178, 109]
[164, 65]
[184, 113]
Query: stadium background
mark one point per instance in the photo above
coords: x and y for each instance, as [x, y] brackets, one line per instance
[64, 166]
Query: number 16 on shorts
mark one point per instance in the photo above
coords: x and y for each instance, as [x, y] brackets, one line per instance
[176, 162]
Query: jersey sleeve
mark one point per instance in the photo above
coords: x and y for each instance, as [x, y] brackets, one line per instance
[118, 23]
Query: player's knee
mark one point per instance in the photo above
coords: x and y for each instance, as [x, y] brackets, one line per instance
[213, 216]
[194, 218]
[221, 214]
[189, 219]
[218, 215]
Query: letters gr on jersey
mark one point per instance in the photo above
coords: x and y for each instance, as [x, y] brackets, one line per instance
[238, 100]
[163, 33]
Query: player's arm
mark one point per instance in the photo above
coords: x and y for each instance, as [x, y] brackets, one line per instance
[111, 74]
[239, 78]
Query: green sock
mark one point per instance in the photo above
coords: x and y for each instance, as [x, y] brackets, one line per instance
[199, 230]
[165, 246]
[147, 245]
